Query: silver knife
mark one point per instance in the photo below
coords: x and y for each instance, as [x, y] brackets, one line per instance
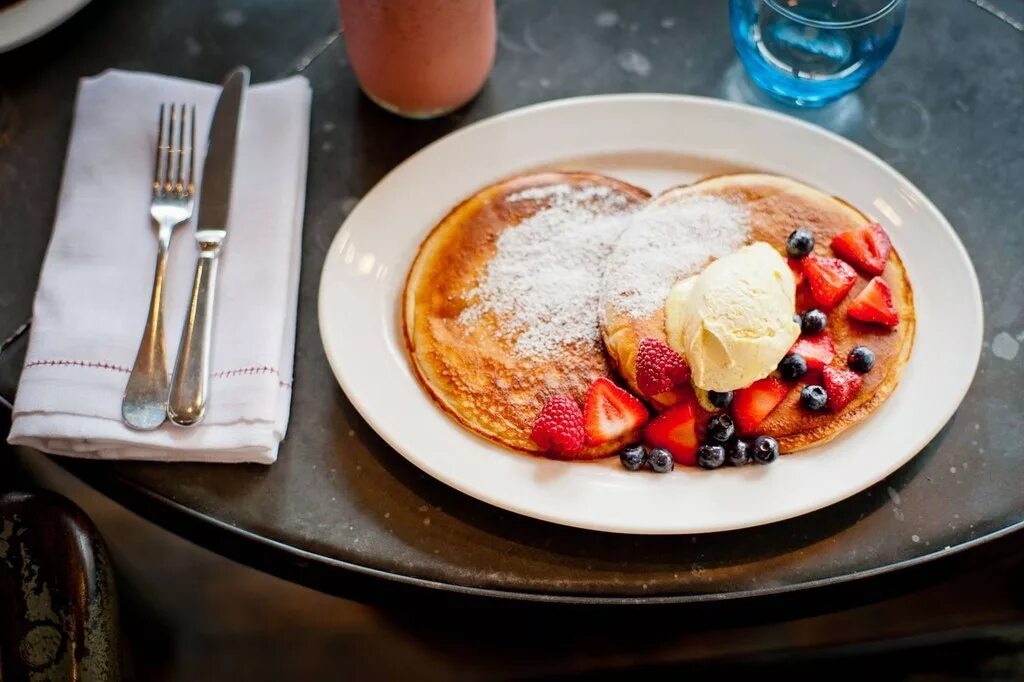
[190, 380]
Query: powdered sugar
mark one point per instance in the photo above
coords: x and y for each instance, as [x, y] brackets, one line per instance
[544, 280]
[563, 193]
[666, 242]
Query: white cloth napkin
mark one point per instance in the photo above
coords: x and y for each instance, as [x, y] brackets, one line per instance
[93, 294]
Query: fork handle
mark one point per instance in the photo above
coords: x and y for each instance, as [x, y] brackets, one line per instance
[144, 405]
[191, 379]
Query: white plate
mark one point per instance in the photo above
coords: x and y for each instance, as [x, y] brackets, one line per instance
[655, 141]
[28, 19]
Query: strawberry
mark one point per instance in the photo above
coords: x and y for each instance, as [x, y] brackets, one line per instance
[866, 248]
[874, 304]
[752, 404]
[609, 412]
[841, 385]
[659, 368]
[676, 430]
[818, 350]
[559, 427]
[797, 269]
[829, 278]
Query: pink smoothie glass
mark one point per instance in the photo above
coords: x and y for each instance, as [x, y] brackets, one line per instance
[420, 58]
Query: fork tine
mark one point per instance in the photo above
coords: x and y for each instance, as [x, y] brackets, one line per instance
[192, 151]
[160, 155]
[175, 153]
[182, 157]
[179, 180]
[166, 150]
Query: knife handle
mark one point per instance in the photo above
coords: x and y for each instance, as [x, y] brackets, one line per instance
[190, 381]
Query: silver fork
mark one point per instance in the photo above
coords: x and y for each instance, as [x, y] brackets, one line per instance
[145, 397]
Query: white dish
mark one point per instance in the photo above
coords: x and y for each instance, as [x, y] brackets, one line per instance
[29, 19]
[655, 141]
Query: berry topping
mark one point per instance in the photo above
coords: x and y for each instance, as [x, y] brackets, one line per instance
[633, 457]
[813, 322]
[675, 430]
[658, 367]
[753, 403]
[610, 412]
[559, 427]
[661, 461]
[797, 270]
[874, 304]
[818, 351]
[720, 428]
[866, 248]
[792, 367]
[737, 452]
[711, 456]
[765, 450]
[841, 385]
[861, 359]
[720, 400]
[813, 397]
[830, 279]
[799, 243]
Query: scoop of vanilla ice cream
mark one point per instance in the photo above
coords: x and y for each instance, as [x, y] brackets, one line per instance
[734, 321]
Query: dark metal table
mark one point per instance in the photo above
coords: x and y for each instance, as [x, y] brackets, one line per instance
[342, 512]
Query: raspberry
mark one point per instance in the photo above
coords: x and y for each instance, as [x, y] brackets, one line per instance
[559, 427]
[659, 368]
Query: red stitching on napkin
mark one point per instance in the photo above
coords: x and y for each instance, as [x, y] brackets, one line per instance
[224, 374]
[256, 369]
[245, 370]
[76, 363]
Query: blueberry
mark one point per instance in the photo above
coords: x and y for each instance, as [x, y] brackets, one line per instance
[720, 428]
[720, 400]
[660, 460]
[861, 359]
[633, 457]
[766, 449]
[813, 322]
[813, 397]
[797, 318]
[737, 452]
[710, 456]
[800, 243]
[792, 367]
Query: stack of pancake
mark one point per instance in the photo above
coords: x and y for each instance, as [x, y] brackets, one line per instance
[466, 313]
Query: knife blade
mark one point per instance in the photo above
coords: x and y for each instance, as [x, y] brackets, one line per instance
[219, 166]
[186, 403]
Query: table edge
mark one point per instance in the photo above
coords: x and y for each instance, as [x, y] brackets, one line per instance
[199, 528]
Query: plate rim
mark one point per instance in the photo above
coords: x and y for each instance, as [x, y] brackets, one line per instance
[659, 98]
[50, 15]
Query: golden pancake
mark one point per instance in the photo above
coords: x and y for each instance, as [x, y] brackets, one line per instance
[501, 303]
[740, 209]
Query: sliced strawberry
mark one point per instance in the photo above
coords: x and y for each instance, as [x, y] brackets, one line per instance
[866, 248]
[658, 367]
[752, 404]
[841, 385]
[874, 304]
[829, 278]
[818, 350]
[559, 427]
[609, 412]
[797, 269]
[676, 431]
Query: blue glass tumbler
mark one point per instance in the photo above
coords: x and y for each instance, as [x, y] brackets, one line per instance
[811, 52]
